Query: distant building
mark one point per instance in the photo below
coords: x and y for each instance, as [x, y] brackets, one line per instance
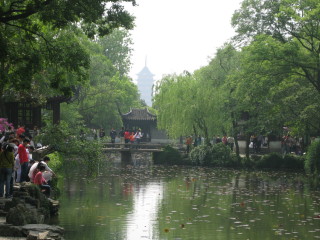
[147, 122]
[145, 82]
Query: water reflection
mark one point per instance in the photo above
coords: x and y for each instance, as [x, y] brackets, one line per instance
[157, 202]
[143, 218]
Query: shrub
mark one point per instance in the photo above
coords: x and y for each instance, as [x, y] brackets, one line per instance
[69, 141]
[221, 155]
[291, 161]
[169, 155]
[313, 158]
[56, 160]
[202, 155]
[248, 162]
[216, 155]
[234, 161]
[271, 160]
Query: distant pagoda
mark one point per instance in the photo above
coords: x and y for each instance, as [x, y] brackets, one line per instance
[145, 82]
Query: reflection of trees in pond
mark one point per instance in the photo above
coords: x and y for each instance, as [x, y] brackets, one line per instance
[92, 208]
[192, 202]
[256, 200]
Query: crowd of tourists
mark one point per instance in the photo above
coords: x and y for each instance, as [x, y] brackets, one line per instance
[124, 136]
[17, 164]
[290, 144]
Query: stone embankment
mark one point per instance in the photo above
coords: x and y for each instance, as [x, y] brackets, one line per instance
[24, 216]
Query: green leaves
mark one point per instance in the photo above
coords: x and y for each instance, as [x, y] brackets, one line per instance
[40, 44]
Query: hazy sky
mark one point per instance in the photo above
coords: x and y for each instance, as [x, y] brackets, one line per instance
[178, 35]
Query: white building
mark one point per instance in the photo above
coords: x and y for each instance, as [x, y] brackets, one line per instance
[145, 83]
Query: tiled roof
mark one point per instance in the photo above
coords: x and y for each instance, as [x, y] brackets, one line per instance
[139, 114]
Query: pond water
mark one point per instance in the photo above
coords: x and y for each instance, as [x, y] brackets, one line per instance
[161, 202]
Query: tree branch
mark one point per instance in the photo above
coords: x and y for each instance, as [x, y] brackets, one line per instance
[25, 13]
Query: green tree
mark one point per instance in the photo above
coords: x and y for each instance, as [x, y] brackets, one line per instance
[293, 25]
[218, 88]
[117, 48]
[107, 93]
[173, 101]
[38, 46]
[283, 41]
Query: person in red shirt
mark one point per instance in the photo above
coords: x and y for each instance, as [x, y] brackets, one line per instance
[24, 159]
[127, 136]
[132, 137]
[189, 143]
[225, 140]
[20, 131]
[41, 182]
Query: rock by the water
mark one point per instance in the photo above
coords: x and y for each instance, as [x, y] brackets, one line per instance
[8, 230]
[43, 231]
[21, 215]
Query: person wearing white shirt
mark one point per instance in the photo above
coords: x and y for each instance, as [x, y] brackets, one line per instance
[138, 136]
[48, 171]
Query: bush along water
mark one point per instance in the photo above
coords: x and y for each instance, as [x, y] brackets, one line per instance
[170, 156]
[222, 156]
[312, 163]
[72, 144]
[216, 155]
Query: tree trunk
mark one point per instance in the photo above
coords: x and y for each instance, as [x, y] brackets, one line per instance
[247, 145]
[235, 135]
[206, 135]
[195, 131]
[3, 112]
[236, 143]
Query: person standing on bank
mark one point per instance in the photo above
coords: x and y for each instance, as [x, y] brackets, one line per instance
[101, 133]
[24, 159]
[113, 135]
[6, 168]
[231, 142]
[189, 143]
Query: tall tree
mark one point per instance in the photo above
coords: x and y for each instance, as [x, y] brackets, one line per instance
[294, 24]
[117, 48]
[106, 94]
[37, 44]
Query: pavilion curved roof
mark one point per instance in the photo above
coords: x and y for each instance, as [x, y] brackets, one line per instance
[139, 114]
